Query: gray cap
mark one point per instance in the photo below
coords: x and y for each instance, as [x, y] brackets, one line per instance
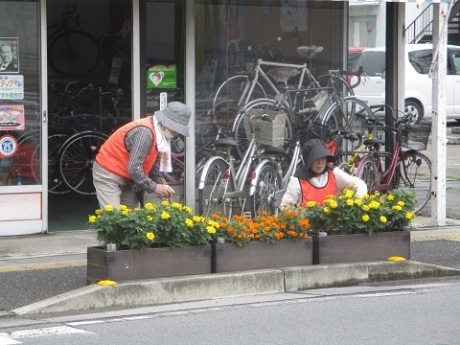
[314, 149]
[175, 116]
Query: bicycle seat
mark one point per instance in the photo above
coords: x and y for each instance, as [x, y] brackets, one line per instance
[309, 51]
[271, 150]
[282, 74]
[226, 142]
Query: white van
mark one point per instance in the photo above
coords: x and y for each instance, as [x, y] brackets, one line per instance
[418, 97]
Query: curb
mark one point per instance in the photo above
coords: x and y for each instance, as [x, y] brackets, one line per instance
[210, 286]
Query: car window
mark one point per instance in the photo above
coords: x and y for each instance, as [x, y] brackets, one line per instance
[373, 63]
[455, 54]
[421, 60]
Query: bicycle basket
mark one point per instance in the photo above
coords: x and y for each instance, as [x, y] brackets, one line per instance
[268, 132]
[415, 136]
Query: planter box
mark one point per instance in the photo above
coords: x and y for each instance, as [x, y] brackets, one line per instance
[123, 265]
[228, 257]
[361, 247]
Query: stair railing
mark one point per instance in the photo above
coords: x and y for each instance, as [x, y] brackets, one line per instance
[421, 26]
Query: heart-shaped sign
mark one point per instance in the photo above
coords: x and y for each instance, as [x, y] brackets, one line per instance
[156, 78]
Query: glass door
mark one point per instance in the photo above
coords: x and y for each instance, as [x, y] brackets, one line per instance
[21, 119]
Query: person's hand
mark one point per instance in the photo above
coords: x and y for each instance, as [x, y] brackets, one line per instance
[164, 191]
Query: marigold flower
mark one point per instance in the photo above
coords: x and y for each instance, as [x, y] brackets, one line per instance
[374, 204]
[383, 219]
[150, 236]
[333, 204]
[366, 208]
[176, 205]
[391, 197]
[326, 210]
[165, 203]
[108, 208]
[98, 211]
[187, 209]
[165, 215]
[365, 218]
[122, 207]
[92, 219]
[189, 222]
[149, 218]
[211, 229]
[125, 212]
[397, 208]
[410, 215]
[349, 194]
[350, 202]
[358, 202]
[149, 206]
[401, 203]
[311, 204]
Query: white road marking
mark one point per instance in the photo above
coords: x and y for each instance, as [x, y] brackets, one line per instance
[48, 331]
[5, 339]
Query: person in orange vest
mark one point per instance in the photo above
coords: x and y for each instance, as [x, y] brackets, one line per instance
[317, 179]
[134, 156]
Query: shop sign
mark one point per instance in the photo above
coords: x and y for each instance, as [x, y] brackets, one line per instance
[11, 86]
[8, 146]
[11, 117]
[162, 77]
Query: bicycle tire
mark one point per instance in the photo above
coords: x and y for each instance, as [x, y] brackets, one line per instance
[263, 188]
[74, 53]
[212, 188]
[76, 161]
[343, 88]
[239, 132]
[368, 172]
[225, 101]
[416, 176]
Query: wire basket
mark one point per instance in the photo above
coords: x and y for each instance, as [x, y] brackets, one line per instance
[415, 136]
[268, 131]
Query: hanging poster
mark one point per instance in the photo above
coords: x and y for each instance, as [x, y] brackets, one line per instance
[293, 15]
[162, 77]
[11, 86]
[11, 117]
[9, 56]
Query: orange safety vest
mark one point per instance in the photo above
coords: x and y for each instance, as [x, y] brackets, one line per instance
[114, 156]
[312, 193]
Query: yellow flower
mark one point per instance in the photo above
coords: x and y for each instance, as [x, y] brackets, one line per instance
[187, 209]
[365, 218]
[210, 230]
[125, 212]
[383, 219]
[198, 219]
[123, 207]
[350, 202]
[374, 204]
[349, 194]
[108, 208]
[391, 197]
[92, 219]
[214, 224]
[397, 208]
[165, 203]
[401, 203]
[149, 206]
[326, 209]
[150, 236]
[98, 211]
[165, 215]
[358, 202]
[366, 208]
[176, 205]
[149, 218]
[311, 204]
[189, 222]
[410, 215]
[333, 204]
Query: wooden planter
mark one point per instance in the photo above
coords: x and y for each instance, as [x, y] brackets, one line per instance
[361, 247]
[228, 257]
[123, 265]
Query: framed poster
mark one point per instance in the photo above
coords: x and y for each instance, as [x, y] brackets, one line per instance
[9, 55]
[12, 117]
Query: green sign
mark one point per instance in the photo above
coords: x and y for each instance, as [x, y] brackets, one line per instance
[162, 77]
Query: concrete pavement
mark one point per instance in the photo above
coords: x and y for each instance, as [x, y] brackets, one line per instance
[67, 249]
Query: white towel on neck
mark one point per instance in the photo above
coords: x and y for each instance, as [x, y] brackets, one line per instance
[163, 147]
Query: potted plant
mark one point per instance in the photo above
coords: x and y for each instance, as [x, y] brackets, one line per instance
[350, 229]
[149, 242]
[267, 241]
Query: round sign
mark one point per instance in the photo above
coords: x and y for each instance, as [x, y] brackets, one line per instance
[8, 146]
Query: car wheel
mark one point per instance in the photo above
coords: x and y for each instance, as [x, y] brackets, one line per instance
[414, 108]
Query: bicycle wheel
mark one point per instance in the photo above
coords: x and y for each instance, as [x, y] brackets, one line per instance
[225, 102]
[239, 131]
[340, 84]
[74, 53]
[415, 173]
[212, 188]
[263, 188]
[368, 172]
[76, 161]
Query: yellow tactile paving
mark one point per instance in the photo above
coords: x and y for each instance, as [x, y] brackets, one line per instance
[43, 266]
[449, 237]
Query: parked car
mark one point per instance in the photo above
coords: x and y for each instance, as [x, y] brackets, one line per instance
[353, 56]
[418, 85]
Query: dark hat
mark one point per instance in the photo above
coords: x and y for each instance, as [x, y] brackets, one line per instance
[175, 116]
[314, 149]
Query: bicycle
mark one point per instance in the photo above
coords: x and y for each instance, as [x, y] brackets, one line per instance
[72, 52]
[222, 182]
[405, 167]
